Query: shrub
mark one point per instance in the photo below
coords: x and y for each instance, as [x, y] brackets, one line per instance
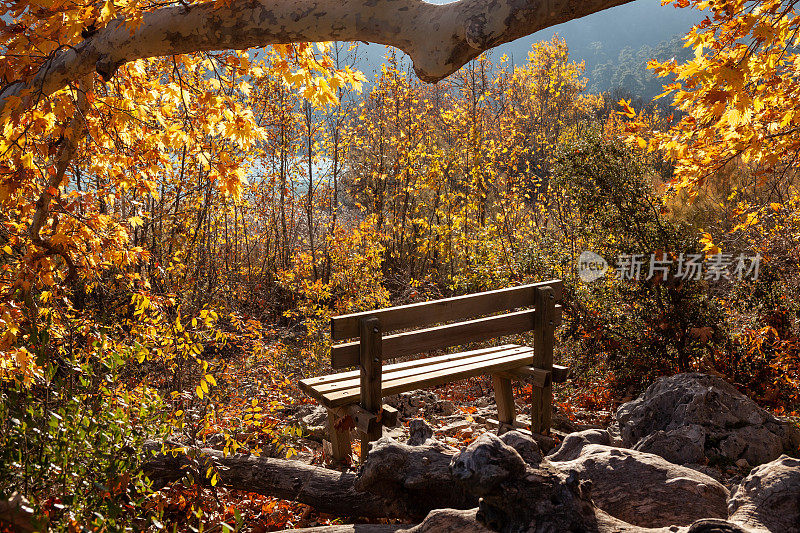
[71, 445]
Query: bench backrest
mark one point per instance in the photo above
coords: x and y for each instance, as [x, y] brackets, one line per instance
[517, 305]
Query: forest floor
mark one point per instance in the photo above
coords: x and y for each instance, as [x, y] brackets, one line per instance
[291, 425]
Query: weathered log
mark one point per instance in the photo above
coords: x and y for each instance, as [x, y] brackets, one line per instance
[413, 479]
[326, 490]
[395, 481]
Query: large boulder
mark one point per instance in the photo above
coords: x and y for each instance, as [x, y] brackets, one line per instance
[516, 495]
[769, 498]
[644, 489]
[696, 418]
[525, 445]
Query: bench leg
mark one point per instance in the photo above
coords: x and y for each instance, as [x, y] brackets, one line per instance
[504, 397]
[370, 359]
[368, 438]
[340, 438]
[541, 409]
[542, 397]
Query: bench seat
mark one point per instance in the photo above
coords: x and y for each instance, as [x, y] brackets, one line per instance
[335, 390]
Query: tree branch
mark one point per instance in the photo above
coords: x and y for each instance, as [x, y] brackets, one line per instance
[438, 38]
[66, 151]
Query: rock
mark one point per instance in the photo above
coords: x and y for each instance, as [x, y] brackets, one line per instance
[644, 489]
[465, 521]
[712, 472]
[697, 418]
[397, 433]
[769, 498]
[743, 464]
[315, 424]
[317, 417]
[525, 446]
[419, 402]
[449, 521]
[516, 496]
[419, 432]
[574, 442]
[447, 407]
[560, 421]
[456, 427]
[482, 402]
[682, 445]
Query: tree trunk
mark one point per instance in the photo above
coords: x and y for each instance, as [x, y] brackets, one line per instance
[396, 481]
[326, 490]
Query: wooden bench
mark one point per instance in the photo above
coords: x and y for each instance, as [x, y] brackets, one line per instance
[353, 399]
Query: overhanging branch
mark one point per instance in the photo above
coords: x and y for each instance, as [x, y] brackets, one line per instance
[438, 38]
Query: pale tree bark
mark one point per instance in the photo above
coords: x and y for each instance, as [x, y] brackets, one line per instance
[438, 38]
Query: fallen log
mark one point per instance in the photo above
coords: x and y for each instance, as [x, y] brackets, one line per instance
[396, 480]
[494, 484]
[326, 490]
[414, 479]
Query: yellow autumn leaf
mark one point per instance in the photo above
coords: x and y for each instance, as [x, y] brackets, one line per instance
[107, 12]
[708, 245]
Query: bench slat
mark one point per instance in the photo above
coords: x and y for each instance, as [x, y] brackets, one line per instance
[431, 379]
[436, 311]
[393, 374]
[425, 340]
[309, 383]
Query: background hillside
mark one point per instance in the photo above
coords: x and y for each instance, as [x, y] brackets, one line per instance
[615, 44]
